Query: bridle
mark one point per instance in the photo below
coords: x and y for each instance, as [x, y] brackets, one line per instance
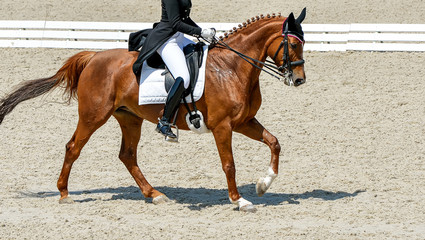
[280, 72]
[286, 68]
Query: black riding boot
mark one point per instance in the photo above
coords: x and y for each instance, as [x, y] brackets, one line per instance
[171, 105]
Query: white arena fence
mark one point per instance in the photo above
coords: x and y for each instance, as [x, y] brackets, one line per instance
[108, 35]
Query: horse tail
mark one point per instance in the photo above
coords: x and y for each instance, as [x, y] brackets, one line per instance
[67, 76]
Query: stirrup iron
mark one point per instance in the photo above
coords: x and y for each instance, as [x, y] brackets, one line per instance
[176, 140]
[162, 124]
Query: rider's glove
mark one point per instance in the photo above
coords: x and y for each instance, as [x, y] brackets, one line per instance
[208, 33]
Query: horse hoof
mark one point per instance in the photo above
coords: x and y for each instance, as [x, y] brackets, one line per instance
[244, 205]
[160, 199]
[261, 187]
[248, 208]
[66, 200]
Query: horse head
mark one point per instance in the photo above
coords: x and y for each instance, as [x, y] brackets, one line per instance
[287, 50]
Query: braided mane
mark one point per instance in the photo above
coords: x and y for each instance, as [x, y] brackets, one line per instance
[248, 22]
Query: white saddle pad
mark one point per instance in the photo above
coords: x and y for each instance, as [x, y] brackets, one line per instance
[152, 89]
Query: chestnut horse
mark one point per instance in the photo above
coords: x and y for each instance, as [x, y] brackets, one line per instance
[106, 86]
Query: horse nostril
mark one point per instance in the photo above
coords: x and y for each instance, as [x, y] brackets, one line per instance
[299, 81]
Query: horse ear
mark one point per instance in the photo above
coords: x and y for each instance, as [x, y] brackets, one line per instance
[291, 18]
[290, 21]
[300, 18]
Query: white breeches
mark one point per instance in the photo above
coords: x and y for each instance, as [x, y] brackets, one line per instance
[172, 54]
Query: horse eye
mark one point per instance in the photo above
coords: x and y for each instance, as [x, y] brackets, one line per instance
[293, 45]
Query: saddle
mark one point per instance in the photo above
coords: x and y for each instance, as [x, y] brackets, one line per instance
[194, 56]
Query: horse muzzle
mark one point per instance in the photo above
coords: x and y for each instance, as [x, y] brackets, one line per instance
[299, 82]
[289, 80]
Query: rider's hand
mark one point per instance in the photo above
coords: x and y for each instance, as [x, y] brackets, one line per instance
[208, 33]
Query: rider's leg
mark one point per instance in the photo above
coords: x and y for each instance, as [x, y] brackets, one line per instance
[171, 105]
[173, 56]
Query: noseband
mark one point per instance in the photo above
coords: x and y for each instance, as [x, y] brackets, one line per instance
[286, 68]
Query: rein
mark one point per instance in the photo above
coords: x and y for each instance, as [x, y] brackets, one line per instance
[272, 69]
[284, 71]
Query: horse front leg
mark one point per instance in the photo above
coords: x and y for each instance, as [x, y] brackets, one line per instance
[223, 139]
[253, 129]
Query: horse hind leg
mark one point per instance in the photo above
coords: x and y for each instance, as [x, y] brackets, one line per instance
[90, 120]
[73, 150]
[131, 128]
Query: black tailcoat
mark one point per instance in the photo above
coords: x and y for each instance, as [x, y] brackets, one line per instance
[175, 18]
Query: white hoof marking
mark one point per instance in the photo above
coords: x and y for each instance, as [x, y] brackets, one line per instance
[244, 205]
[160, 199]
[264, 184]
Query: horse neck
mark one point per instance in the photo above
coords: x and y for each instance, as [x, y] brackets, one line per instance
[253, 41]
[256, 36]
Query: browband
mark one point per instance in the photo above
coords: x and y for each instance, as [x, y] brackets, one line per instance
[294, 36]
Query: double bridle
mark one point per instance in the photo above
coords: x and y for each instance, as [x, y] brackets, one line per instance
[280, 72]
[286, 68]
